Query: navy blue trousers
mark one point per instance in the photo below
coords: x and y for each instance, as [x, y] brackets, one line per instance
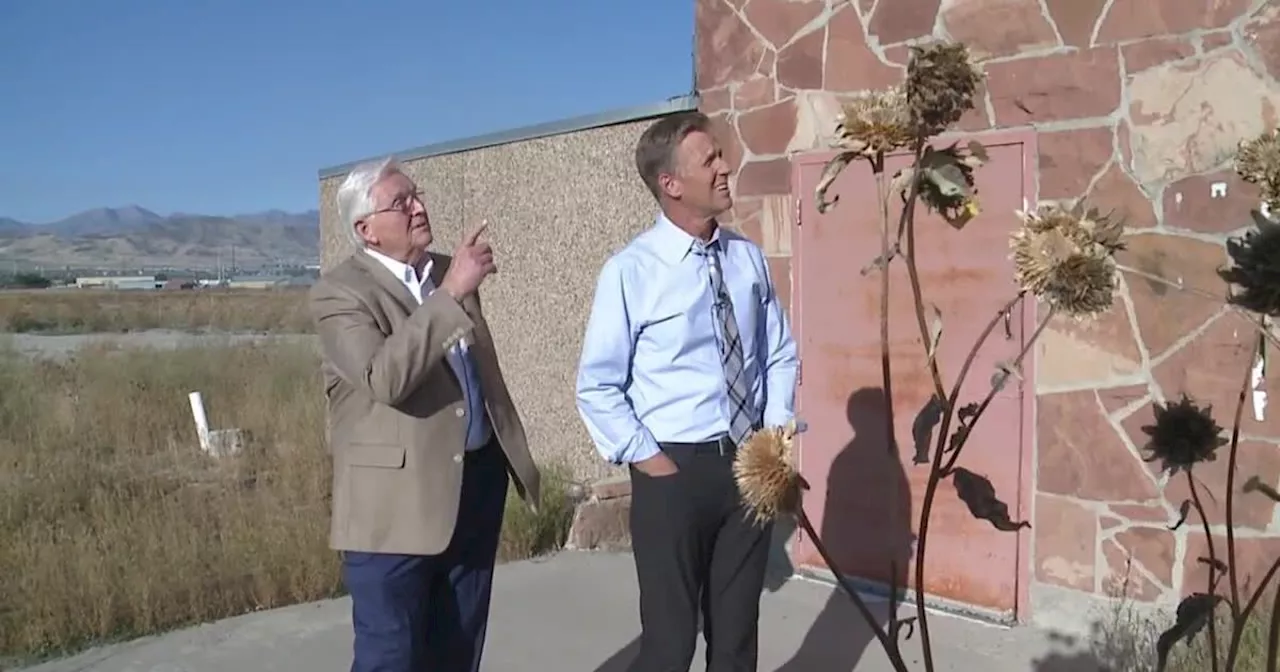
[428, 613]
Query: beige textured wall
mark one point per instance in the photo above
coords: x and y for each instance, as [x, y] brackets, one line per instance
[557, 208]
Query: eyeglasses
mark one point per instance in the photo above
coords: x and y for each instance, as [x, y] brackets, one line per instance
[402, 204]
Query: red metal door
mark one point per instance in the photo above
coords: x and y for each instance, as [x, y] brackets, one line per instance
[865, 497]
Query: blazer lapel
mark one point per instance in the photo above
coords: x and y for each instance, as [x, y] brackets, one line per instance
[387, 281]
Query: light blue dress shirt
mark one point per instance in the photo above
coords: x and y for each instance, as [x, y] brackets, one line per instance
[650, 369]
[460, 360]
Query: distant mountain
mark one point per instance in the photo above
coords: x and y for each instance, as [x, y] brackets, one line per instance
[132, 236]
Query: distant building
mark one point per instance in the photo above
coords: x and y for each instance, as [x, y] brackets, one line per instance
[180, 283]
[118, 282]
[267, 282]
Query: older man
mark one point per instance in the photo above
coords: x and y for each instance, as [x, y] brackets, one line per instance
[422, 430]
[687, 351]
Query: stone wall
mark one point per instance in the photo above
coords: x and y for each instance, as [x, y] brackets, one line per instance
[557, 207]
[1138, 106]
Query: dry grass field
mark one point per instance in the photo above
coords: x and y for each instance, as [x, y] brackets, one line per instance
[115, 525]
[78, 311]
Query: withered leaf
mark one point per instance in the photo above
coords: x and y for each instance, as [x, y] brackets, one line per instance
[910, 623]
[1193, 613]
[980, 496]
[1262, 220]
[958, 438]
[948, 178]
[1213, 563]
[922, 428]
[1255, 484]
[829, 174]
[1184, 510]
[881, 261]
[1004, 371]
[935, 333]
[902, 181]
[977, 149]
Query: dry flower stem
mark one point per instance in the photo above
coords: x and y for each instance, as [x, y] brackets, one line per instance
[1208, 540]
[906, 221]
[937, 471]
[890, 646]
[991, 394]
[882, 185]
[1232, 459]
[935, 475]
[913, 274]
[1238, 618]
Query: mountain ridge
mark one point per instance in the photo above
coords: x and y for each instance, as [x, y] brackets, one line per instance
[134, 236]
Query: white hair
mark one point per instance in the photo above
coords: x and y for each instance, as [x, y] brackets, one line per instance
[355, 200]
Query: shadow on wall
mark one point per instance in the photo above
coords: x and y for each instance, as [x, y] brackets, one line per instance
[866, 524]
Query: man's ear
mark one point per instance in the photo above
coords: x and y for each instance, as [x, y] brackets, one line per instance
[362, 230]
[671, 185]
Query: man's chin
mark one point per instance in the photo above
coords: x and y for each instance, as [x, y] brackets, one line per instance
[723, 204]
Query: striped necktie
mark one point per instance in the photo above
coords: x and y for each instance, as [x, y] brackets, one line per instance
[741, 423]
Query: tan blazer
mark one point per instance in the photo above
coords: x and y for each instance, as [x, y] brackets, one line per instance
[397, 422]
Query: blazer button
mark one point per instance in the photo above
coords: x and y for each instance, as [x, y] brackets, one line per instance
[457, 458]
[460, 412]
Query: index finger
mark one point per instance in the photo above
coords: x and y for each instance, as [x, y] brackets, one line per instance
[475, 234]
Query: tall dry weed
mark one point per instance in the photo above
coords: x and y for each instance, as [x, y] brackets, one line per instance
[93, 311]
[115, 524]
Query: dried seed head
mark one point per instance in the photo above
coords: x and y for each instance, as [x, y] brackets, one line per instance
[940, 85]
[875, 121]
[1183, 435]
[766, 477]
[1255, 268]
[1258, 162]
[1066, 258]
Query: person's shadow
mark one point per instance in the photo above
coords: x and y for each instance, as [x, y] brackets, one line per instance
[867, 528]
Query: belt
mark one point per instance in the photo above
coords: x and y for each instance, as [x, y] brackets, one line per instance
[721, 446]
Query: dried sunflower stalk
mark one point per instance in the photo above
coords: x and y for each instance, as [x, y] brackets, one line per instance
[1066, 258]
[765, 472]
[1255, 269]
[940, 86]
[1258, 162]
[1183, 435]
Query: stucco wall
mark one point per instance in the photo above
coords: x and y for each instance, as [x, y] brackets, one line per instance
[1138, 105]
[557, 207]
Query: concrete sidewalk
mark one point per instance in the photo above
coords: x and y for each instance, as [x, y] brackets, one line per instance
[574, 612]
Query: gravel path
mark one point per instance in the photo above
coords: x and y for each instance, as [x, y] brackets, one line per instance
[60, 346]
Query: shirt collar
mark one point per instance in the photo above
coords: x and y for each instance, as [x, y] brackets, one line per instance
[403, 272]
[672, 243]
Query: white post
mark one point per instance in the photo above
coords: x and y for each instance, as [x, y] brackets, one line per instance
[202, 420]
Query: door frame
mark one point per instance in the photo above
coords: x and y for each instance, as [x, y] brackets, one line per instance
[1024, 505]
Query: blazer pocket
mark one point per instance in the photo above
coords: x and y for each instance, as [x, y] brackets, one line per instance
[383, 455]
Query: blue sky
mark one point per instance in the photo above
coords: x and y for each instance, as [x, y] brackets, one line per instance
[230, 106]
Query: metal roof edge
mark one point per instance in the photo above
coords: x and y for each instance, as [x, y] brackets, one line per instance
[580, 123]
